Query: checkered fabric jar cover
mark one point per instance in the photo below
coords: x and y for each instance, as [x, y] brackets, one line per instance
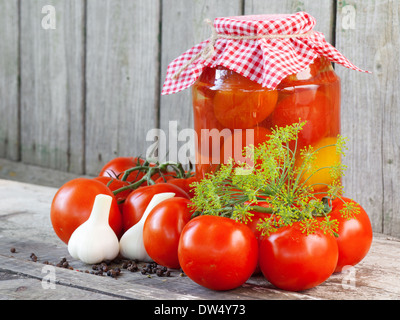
[263, 48]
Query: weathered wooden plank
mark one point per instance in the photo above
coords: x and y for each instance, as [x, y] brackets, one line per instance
[18, 171]
[17, 287]
[9, 81]
[122, 77]
[376, 277]
[323, 11]
[52, 83]
[129, 285]
[88, 282]
[183, 27]
[367, 33]
[388, 72]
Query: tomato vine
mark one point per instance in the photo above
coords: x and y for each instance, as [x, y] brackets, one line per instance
[152, 171]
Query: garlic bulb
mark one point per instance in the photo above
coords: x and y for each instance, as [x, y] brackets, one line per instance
[94, 241]
[131, 243]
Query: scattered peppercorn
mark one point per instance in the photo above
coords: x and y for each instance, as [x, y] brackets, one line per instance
[159, 272]
[106, 268]
[112, 273]
[63, 263]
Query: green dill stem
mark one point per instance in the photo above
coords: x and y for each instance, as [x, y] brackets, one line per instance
[261, 209]
[290, 169]
[319, 169]
[287, 167]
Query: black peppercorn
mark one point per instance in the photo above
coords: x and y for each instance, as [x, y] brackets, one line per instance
[33, 257]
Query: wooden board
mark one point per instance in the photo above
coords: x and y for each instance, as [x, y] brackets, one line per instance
[371, 107]
[26, 226]
[9, 82]
[52, 85]
[17, 171]
[122, 77]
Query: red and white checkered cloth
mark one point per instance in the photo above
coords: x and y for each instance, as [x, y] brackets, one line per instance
[266, 59]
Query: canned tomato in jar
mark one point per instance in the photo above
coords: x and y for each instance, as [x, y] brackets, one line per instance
[255, 73]
[227, 106]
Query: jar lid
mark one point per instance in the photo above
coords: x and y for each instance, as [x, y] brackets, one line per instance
[263, 48]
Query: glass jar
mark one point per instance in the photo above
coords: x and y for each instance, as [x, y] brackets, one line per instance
[226, 105]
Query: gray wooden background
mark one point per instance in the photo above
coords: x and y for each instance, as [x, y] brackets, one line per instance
[74, 97]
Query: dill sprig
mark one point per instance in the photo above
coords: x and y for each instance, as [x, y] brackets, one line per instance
[277, 178]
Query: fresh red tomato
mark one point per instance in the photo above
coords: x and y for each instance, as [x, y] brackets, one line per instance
[73, 203]
[355, 234]
[184, 184]
[138, 200]
[164, 178]
[256, 219]
[115, 184]
[294, 261]
[245, 105]
[308, 105]
[117, 166]
[162, 229]
[217, 252]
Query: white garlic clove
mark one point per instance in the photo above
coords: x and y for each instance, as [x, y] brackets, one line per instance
[131, 243]
[94, 241]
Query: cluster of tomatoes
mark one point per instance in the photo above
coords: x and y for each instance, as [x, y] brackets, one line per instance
[293, 259]
[216, 252]
[73, 202]
[221, 254]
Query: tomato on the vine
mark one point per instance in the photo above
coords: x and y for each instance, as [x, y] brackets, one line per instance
[73, 203]
[355, 233]
[117, 166]
[184, 184]
[138, 200]
[162, 229]
[257, 218]
[293, 260]
[114, 184]
[217, 252]
[164, 178]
